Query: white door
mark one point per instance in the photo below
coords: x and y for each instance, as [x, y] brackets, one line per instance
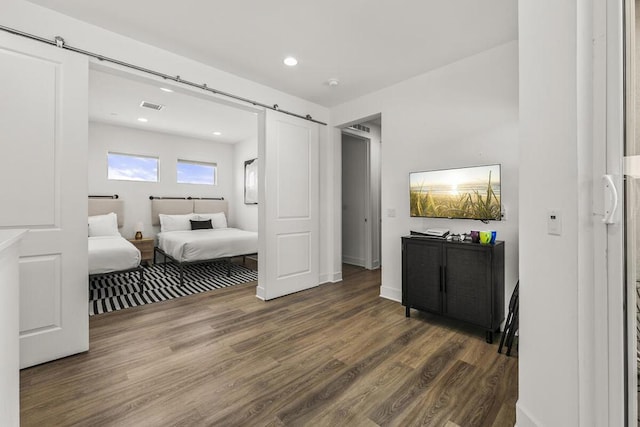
[43, 176]
[289, 249]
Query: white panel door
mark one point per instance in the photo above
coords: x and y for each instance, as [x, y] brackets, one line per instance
[43, 170]
[291, 253]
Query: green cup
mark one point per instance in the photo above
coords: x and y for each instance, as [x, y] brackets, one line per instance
[485, 237]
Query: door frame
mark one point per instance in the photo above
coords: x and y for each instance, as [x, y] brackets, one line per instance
[611, 392]
[373, 205]
[631, 183]
[368, 228]
[631, 175]
[94, 64]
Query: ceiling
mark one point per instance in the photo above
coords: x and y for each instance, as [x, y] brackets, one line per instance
[365, 44]
[116, 100]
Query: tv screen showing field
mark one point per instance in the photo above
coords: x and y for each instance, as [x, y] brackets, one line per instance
[472, 193]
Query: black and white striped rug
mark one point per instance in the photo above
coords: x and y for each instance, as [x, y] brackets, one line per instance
[120, 291]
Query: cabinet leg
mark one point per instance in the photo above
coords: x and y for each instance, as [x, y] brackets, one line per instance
[407, 311]
[489, 337]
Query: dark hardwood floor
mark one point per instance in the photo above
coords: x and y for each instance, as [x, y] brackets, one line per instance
[335, 355]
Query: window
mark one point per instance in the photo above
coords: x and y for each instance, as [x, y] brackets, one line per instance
[130, 167]
[197, 173]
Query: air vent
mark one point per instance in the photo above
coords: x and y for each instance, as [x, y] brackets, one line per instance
[361, 128]
[151, 105]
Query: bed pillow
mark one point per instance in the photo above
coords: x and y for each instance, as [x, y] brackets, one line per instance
[103, 225]
[201, 225]
[218, 220]
[175, 222]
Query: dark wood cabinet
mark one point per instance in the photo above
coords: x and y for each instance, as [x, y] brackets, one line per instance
[459, 280]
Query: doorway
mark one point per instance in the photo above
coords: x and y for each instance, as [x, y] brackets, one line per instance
[197, 148]
[361, 221]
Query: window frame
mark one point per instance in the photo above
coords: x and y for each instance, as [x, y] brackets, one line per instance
[213, 165]
[140, 156]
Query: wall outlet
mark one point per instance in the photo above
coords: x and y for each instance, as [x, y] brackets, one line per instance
[391, 213]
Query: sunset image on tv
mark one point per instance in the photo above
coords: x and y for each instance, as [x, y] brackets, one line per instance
[472, 193]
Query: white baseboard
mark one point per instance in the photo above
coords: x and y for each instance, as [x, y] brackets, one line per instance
[331, 278]
[353, 260]
[260, 293]
[391, 293]
[524, 418]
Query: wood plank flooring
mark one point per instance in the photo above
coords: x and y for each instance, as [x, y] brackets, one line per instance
[335, 355]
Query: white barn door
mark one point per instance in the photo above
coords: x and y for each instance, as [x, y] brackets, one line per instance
[290, 253]
[43, 176]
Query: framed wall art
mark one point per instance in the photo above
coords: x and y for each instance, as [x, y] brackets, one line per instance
[251, 182]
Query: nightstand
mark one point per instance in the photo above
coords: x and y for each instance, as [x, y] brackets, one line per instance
[145, 246]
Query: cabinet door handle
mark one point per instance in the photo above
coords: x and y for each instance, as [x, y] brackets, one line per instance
[444, 279]
[440, 278]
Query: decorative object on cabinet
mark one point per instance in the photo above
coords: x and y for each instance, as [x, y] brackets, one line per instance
[139, 230]
[458, 280]
[485, 237]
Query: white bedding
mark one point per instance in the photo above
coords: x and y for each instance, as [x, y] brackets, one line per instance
[200, 245]
[111, 253]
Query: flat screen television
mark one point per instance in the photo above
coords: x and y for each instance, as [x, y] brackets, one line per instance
[469, 193]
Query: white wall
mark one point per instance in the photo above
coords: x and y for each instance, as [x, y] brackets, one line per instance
[556, 309]
[246, 216]
[463, 114]
[104, 138]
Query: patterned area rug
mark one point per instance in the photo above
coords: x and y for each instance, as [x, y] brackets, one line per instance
[123, 290]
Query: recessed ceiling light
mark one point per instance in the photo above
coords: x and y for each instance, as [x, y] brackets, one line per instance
[290, 61]
[216, 133]
[142, 119]
[333, 82]
[166, 89]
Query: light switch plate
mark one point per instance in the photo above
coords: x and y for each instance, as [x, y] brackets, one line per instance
[554, 223]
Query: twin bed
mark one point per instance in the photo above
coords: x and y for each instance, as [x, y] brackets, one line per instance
[109, 253]
[191, 232]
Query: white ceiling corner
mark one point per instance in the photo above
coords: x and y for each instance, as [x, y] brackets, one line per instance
[365, 44]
